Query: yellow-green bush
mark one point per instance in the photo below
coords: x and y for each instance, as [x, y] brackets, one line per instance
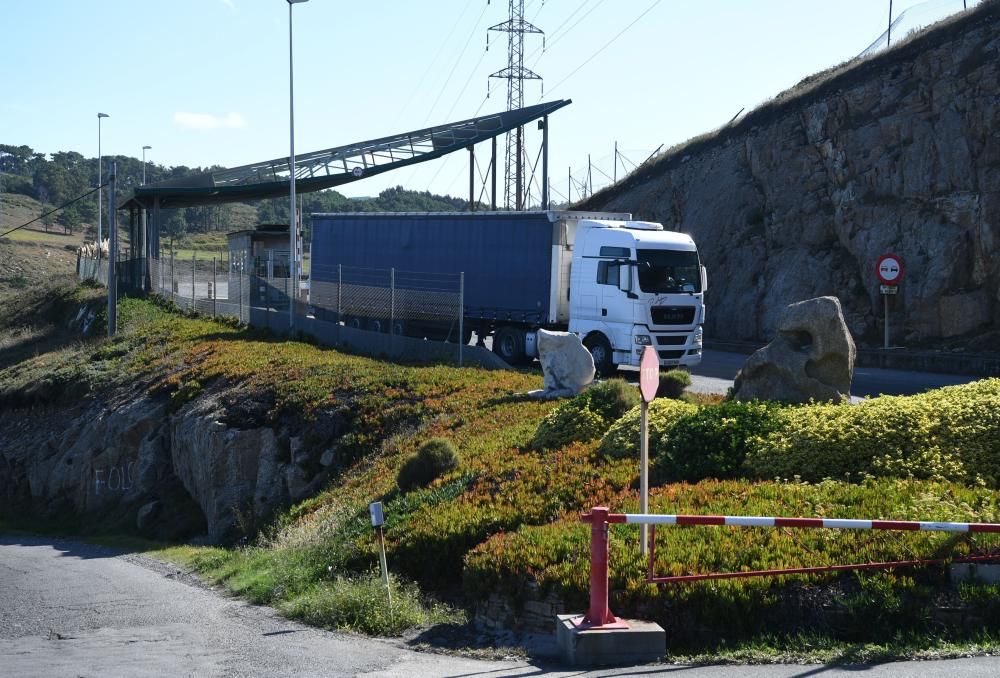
[587, 415]
[949, 433]
[622, 439]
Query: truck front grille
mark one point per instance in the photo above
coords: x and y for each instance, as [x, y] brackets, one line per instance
[672, 315]
[670, 355]
[671, 341]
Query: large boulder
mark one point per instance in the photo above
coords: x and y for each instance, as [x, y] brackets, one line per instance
[812, 358]
[567, 365]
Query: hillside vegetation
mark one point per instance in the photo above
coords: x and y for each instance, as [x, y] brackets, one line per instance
[489, 518]
[58, 178]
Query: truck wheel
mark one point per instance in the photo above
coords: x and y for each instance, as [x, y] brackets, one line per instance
[354, 322]
[600, 349]
[378, 325]
[399, 328]
[508, 343]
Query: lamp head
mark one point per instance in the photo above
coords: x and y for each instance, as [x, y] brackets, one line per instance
[146, 148]
[103, 115]
[295, 2]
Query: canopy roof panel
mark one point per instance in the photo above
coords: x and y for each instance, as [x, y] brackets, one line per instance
[335, 166]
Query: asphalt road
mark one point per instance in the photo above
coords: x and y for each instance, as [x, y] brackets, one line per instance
[717, 370]
[69, 609]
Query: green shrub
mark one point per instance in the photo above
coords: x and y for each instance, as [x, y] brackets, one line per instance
[586, 416]
[435, 457]
[611, 399]
[713, 441]
[948, 433]
[673, 383]
[566, 424]
[622, 439]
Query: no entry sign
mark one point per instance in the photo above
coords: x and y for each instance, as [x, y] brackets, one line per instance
[889, 269]
[649, 374]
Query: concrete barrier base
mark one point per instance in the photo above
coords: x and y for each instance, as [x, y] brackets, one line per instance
[641, 642]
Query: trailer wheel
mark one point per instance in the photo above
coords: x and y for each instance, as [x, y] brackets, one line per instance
[399, 328]
[378, 325]
[600, 349]
[354, 322]
[508, 343]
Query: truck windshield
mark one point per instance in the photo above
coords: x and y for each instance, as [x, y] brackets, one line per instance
[668, 271]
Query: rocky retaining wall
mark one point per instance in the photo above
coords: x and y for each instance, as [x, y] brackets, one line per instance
[134, 465]
[897, 153]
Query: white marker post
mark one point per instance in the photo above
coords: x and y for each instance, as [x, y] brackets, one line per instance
[375, 509]
[889, 271]
[649, 382]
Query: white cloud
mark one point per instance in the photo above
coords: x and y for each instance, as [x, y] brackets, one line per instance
[207, 121]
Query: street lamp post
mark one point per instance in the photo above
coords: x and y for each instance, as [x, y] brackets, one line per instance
[145, 230]
[144, 149]
[293, 278]
[100, 191]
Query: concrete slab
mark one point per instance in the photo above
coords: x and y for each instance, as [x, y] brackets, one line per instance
[981, 572]
[640, 643]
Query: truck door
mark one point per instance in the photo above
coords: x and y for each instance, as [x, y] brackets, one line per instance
[615, 307]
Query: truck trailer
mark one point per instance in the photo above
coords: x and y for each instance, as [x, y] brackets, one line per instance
[618, 284]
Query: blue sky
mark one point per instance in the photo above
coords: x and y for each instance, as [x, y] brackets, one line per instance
[206, 81]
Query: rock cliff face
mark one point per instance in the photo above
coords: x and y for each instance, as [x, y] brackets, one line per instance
[897, 153]
[136, 465]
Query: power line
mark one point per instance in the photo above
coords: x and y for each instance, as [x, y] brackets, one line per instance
[475, 29]
[465, 86]
[64, 205]
[606, 45]
[557, 36]
[433, 61]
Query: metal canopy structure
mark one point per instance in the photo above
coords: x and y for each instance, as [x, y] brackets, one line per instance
[333, 167]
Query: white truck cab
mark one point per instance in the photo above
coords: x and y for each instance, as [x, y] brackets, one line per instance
[632, 285]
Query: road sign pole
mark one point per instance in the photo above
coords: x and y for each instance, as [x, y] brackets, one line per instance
[649, 382]
[885, 301]
[644, 474]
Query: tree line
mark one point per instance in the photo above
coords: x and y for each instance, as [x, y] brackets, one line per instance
[57, 178]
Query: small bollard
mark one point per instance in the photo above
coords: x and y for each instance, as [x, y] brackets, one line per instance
[599, 615]
[375, 510]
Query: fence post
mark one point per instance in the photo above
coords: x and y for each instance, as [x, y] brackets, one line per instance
[598, 614]
[461, 316]
[194, 265]
[215, 289]
[392, 300]
[173, 278]
[340, 287]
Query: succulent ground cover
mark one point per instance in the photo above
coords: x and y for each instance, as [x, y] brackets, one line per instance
[502, 515]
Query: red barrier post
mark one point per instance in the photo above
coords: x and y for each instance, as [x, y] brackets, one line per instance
[599, 615]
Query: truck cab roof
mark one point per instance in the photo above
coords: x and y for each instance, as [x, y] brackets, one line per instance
[638, 235]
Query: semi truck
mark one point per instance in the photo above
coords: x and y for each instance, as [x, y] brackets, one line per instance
[617, 283]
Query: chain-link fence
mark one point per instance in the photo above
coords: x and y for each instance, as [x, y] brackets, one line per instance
[403, 303]
[208, 286]
[416, 315]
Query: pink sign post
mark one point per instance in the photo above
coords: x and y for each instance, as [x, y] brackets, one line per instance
[649, 382]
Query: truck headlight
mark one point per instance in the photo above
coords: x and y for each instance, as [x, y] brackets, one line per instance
[643, 340]
[698, 334]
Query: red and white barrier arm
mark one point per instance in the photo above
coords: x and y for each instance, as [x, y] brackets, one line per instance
[829, 523]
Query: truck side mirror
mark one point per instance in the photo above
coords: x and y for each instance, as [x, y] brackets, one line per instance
[704, 279]
[625, 278]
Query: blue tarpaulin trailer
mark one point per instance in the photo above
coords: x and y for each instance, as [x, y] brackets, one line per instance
[507, 258]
